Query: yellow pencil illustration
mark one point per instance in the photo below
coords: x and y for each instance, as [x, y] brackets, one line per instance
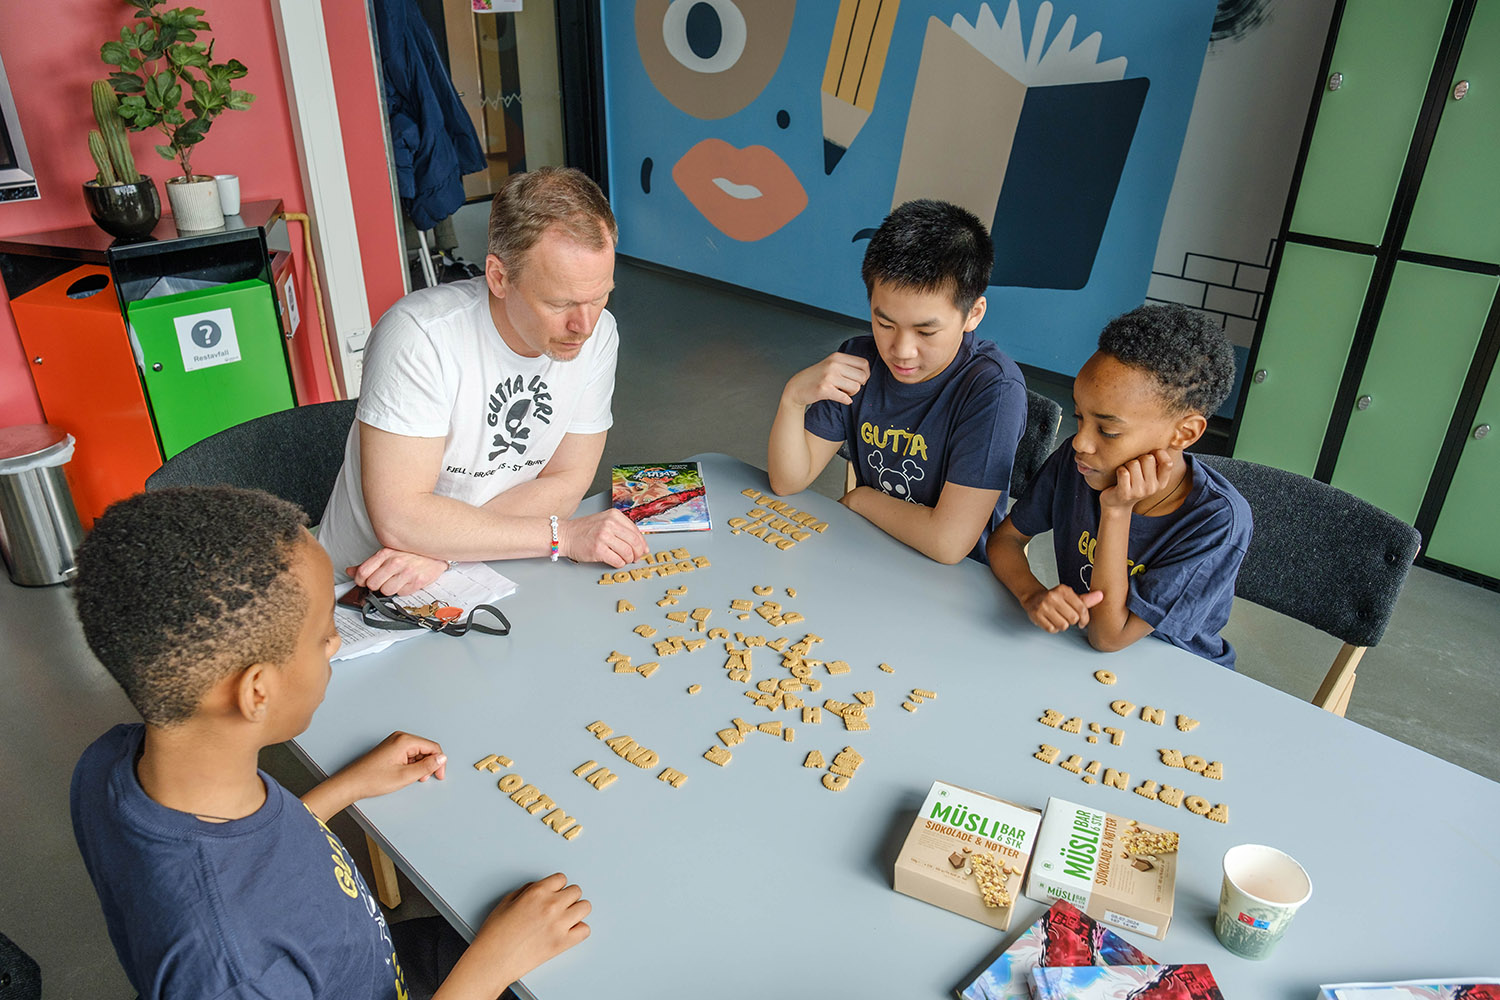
[856, 58]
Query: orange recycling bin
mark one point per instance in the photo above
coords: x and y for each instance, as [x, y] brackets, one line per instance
[86, 378]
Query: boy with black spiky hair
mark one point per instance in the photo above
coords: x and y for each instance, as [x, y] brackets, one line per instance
[1148, 540]
[213, 608]
[930, 413]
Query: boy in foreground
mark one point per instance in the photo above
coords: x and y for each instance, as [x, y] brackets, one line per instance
[1148, 539]
[930, 413]
[213, 608]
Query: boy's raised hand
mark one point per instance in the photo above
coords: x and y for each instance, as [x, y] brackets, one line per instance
[534, 923]
[397, 761]
[1061, 608]
[1138, 479]
[837, 377]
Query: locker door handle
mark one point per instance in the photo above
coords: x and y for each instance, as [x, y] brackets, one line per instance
[1481, 432]
[1363, 402]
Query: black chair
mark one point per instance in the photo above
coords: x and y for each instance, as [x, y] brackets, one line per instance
[1038, 440]
[20, 976]
[294, 454]
[1043, 418]
[1323, 557]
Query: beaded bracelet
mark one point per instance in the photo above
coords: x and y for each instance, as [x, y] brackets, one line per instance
[552, 519]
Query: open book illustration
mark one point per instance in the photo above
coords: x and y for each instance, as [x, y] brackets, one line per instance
[1042, 139]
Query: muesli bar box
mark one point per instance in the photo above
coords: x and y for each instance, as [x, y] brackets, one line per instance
[967, 853]
[1089, 857]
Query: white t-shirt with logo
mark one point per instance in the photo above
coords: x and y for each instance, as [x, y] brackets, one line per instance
[437, 367]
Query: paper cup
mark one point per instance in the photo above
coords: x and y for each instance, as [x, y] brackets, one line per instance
[229, 192]
[1263, 888]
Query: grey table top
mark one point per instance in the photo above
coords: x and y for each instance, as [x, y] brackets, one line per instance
[753, 877]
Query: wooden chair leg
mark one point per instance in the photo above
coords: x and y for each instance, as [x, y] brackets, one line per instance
[386, 887]
[1333, 694]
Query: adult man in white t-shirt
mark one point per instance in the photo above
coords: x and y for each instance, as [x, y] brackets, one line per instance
[485, 403]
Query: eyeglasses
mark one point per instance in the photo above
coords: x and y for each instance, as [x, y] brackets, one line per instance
[380, 611]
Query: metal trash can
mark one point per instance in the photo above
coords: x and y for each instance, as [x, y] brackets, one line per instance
[39, 529]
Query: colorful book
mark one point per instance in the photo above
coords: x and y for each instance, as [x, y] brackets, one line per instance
[1483, 988]
[663, 497]
[1125, 982]
[1064, 936]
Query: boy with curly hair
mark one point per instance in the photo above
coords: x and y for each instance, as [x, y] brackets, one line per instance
[1148, 540]
[213, 608]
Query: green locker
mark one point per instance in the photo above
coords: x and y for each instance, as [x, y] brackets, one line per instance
[211, 359]
[1422, 350]
[1381, 63]
[1309, 327]
[1457, 213]
[1465, 534]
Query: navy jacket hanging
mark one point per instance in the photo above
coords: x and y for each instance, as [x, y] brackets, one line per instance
[433, 141]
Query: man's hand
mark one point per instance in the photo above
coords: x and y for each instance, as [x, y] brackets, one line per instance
[534, 923]
[837, 377]
[1061, 608]
[393, 572]
[608, 537]
[396, 762]
[1138, 479]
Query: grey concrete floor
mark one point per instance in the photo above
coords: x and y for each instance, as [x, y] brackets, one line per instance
[700, 370]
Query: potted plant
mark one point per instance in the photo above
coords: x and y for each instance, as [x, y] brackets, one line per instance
[168, 80]
[122, 201]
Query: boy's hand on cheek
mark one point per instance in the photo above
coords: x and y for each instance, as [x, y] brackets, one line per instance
[837, 377]
[1061, 608]
[1138, 479]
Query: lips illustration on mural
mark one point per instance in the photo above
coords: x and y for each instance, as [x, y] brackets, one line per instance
[747, 194]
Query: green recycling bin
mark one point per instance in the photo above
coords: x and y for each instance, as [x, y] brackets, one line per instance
[210, 359]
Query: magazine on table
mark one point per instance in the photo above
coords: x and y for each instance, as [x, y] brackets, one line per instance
[666, 496]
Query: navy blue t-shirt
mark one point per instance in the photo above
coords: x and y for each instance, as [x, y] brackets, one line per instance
[961, 426]
[265, 906]
[1182, 565]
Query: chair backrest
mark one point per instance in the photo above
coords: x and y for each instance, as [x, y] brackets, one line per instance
[294, 454]
[1043, 418]
[20, 976]
[1318, 554]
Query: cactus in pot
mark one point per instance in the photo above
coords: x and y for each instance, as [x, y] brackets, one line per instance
[109, 144]
[121, 201]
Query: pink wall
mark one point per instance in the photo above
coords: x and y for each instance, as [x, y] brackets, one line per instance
[349, 48]
[51, 63]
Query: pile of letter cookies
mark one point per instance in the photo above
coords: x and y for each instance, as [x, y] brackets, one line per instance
[775, 522]
[746, 653]
[685, 629]
[1098, 735]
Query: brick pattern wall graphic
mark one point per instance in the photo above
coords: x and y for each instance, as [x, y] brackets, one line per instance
[1232, 291]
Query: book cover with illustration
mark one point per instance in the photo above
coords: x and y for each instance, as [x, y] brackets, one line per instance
[1064, 936]
[1481, 988]
[1125, 982]
[1061, 120]
[667, 496]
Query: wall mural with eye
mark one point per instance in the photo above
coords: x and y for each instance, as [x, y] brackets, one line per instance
[759, 142]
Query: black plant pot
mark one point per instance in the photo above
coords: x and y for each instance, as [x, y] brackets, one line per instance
[129, 211]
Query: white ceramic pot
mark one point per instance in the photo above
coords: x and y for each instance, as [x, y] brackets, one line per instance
[195, 203]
